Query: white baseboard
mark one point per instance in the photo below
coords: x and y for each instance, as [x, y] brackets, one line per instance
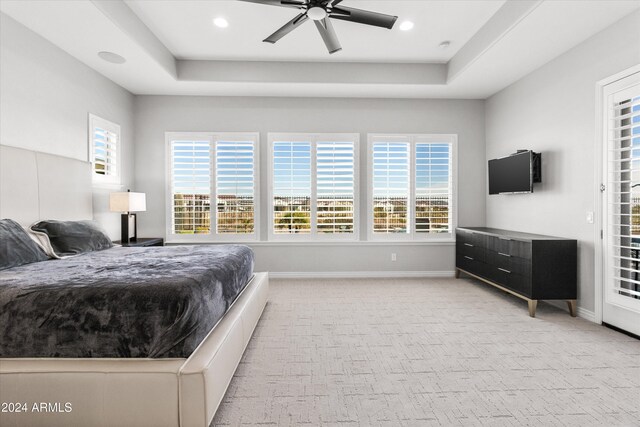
[582, 312]
[587, 314]
[358, 274]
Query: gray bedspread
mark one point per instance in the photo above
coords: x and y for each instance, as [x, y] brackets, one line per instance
[157, 302]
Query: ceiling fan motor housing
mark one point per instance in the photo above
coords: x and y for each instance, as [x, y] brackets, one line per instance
[317, 13]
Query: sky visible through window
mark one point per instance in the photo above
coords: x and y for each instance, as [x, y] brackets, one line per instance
[104, 151]
[234, 185]
[635, 170]
[191, 167]
[291, 168]
[234, 168]
[392, 197]
[191, 187]
[302, 169]
[235, 182]
[636, 135]
[299, 168]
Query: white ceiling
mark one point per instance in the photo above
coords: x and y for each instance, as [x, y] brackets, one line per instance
[186, 29]
[172, 48]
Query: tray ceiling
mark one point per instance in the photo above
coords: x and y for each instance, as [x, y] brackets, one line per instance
[173, 48]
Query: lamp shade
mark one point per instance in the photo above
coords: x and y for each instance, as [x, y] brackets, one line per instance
[127, 202]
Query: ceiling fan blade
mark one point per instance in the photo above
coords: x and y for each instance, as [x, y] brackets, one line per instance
[284, 3]
[328, 35]
[363, 17]
[287, 28]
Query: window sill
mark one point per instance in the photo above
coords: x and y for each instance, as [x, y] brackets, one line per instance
[447, 242]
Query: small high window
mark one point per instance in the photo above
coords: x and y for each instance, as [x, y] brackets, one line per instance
[104, 150]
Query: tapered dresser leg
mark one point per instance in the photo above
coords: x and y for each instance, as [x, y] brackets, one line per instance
[457, 273]
[533, 303]
[572, 307]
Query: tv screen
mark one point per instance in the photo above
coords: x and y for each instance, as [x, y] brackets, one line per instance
[512, 174]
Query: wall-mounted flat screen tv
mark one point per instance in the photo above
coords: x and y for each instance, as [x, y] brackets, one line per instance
[515, 173]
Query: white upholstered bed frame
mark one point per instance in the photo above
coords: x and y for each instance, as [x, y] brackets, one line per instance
[112, 392]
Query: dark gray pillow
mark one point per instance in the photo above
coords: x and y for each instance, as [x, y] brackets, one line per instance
[74, 237]
[16, 247]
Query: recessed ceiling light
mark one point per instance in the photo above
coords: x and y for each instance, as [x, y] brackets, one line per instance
[114, 58]
[221, 23]
[406, 25]
[445, 44]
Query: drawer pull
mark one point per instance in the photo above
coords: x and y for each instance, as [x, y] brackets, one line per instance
[504, 238]
[468, 244]
[468, 257]
[506, 271]
[507, 255]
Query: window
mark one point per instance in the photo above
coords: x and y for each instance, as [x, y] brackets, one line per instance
[208, 167]
[313, 186]
[411, 187]
[104, 150]
[621, 167]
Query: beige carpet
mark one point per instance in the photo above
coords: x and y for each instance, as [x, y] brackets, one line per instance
[420, 352]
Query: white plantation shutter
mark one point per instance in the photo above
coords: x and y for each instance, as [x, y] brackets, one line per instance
[391, 187]
[433, 186]
[623, 194]
[105, 152]
[104, 144]
[314, 186]
[335, 168]
[412, 178]
[235, 183]
[291, 187]
[213, 168]
[191, 187]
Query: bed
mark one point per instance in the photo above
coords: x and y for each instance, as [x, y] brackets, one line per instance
[174, 374]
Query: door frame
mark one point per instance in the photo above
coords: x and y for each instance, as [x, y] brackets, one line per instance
[600, 148]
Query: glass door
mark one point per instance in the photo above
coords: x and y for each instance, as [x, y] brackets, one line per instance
[621, 230]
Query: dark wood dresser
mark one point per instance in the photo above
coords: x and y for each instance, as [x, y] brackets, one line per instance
[530, 266]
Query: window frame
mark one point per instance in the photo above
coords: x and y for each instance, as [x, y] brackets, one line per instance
[313, 138]
[96, 178]
[412, 139]
[211, 138]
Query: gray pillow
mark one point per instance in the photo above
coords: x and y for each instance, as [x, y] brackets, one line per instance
[16, 247]
[69, 238]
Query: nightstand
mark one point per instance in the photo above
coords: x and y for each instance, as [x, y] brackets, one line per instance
[143, 241]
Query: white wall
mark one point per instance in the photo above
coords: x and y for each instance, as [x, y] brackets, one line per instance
[553, 111]
[45, 98]
[157, 114]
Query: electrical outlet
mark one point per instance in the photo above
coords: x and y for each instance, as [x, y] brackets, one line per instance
[393, 257]
[589, 217]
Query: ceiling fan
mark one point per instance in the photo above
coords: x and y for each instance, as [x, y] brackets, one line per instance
[320, 11]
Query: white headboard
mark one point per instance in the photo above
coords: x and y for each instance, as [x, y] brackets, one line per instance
[36, 186]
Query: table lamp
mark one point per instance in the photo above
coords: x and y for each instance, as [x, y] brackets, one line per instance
[127, 202]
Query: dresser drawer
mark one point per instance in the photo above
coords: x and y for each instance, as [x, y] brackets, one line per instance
[471, 265]
[514, 264]
[475, 239]
[471, 250]
[510, 247]
[465, 237]
[515, 282]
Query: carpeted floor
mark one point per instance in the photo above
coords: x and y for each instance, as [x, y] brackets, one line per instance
[420, 352]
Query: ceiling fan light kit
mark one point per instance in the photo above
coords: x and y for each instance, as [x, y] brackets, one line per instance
[316, 13]
[320, 11]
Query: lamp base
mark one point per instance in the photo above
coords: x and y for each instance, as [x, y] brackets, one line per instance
[129, 227]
